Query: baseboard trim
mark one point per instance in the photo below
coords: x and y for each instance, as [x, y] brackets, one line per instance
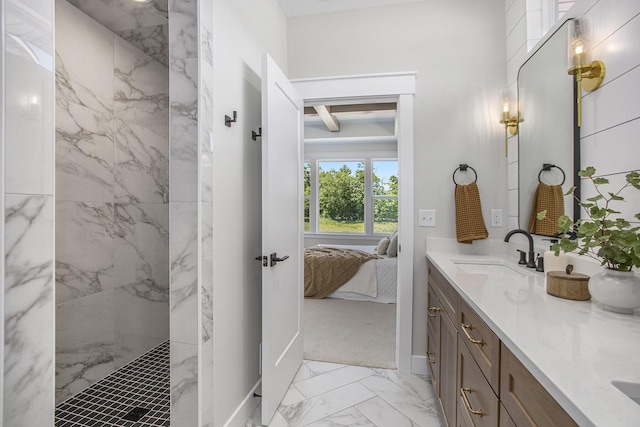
[419, 365]
[245, 410]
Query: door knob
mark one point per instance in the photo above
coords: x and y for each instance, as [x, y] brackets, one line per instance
[274, 258]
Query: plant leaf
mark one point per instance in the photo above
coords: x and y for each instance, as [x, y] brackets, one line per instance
[596, 198]
[570, 191]
[542, 214]
[588, 171]
[600, 181]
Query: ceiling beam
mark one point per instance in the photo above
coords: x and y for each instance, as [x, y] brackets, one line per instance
[329, 119]
[357, 108]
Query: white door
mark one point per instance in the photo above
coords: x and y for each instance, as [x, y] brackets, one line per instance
[282, 221]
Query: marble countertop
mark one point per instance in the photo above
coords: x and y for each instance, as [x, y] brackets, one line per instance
[573, 348]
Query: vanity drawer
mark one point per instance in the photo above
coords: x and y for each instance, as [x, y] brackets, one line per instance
[434, 311]
[483, 344]
[475, 396]
[524, 398]
[433, 361]
[505, 419]
[446, 293]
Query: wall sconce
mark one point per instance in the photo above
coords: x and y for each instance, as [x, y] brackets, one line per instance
[509, 120]
[589, 74]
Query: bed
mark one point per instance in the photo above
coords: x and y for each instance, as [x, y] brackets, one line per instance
[375, 280]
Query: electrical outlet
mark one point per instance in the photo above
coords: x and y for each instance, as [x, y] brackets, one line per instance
[496, 217]
[426, 218]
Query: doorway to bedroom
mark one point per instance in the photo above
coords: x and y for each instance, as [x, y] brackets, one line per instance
[351, 189]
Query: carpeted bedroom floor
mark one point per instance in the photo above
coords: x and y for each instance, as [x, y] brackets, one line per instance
[358, 333]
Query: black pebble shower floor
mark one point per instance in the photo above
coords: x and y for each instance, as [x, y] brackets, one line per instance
[140, 385]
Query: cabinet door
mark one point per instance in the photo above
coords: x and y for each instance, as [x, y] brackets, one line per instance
[483, 344]
[433, 360]
[505, 419]
[476, 395]
[524, 398]
[434, 311]
[448, 362]
[446, 293]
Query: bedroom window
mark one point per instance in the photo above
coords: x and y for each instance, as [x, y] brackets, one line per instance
[354, 196]
[341, 197]
[385, 196]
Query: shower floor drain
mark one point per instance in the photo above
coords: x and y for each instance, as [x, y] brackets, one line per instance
[135, 414]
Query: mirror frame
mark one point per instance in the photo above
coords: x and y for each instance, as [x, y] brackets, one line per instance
[576, 133]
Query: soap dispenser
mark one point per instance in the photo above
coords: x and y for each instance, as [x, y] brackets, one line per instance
[553, 262]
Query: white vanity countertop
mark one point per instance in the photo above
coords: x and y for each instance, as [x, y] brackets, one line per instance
[573, 348]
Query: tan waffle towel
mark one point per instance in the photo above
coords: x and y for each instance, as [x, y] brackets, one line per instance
[469, 221]
[547, 197]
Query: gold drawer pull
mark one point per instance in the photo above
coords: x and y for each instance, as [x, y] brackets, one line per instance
[466, 329]
[429, 360]
[433, 309]
[463, 393]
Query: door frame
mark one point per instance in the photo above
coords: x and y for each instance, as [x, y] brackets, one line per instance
[400, 87]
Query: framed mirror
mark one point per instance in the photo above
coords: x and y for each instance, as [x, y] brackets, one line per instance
[548, 141]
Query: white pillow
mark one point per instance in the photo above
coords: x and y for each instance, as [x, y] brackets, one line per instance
[392, 250]
[381, 249]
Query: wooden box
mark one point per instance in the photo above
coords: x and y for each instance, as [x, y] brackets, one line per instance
[573, 286]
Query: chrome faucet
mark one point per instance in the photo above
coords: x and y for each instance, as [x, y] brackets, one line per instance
[531, 262]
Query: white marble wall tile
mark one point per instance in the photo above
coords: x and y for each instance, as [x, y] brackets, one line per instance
[28, 123]
[184, 130]
[141, 320]
[142, 249]
[154, 41]
[84, 154]
[141, 164]
[183, 28]
[28, 311]
[207, 383]
[87, 78]
[120, 15]
[206, 256]
[84, 249]
[129, 346]
[184, 273]
[141, 87]
[184, 384]
[84, 343]
[206, 132]
[206, 31]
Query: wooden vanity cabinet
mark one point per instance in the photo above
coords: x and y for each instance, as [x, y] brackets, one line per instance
[483, 344]
[525, 399]
[442, 341]
[472, 371]
[477, 399]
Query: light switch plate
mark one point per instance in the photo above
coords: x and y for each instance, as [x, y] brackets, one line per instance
[496, 217]
[426, 218]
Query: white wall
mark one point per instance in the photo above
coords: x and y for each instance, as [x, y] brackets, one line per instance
[458, 50]
[243, 29]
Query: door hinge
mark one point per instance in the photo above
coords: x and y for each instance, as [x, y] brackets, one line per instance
[264, 259]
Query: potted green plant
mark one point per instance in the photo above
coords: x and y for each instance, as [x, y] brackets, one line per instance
[603, 235]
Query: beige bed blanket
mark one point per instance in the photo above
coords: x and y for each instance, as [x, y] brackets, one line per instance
[326, 269]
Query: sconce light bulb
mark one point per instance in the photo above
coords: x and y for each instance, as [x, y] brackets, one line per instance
[579, 49]
[505, 107]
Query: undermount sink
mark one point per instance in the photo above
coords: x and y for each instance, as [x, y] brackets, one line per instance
[489, 267]
[630, 389]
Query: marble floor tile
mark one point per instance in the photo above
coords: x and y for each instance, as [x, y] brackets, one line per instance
[381, 413]
[326, 404]
[350, 417]
[354, 396]
[332, 380]
[421, 412]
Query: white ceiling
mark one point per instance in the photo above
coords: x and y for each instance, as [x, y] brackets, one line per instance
[311, 7]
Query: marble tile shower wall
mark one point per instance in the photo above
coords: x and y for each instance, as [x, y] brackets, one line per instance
[27, 285]
[112, 194]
